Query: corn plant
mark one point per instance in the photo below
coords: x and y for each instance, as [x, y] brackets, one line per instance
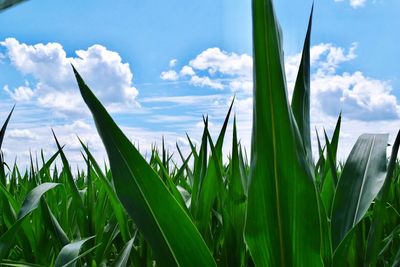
[278, 208]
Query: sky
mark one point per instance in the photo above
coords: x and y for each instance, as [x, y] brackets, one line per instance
[158, 66]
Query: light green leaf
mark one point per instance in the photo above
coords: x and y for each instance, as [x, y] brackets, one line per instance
[362, 177]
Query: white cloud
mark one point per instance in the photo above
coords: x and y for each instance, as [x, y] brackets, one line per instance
[56, 88]
[355, 3]
[184, 100]
[187, 71]
[364, 101]
[21, 134]
[20, 94]
[367, 103]
[214, 60]
[241, 85]
[206, 81]
[217, 69]
[357, 95]
[169, 75]
[173, 62]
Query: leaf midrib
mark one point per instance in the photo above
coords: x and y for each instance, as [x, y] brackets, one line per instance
[277, 196]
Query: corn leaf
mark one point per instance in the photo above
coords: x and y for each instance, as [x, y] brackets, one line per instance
[4, 127]
[283, 218]
[116, 205]
[123, 257]
[362, 177]
[301, 94]
[69, 253]
[4, 4]
[159, 217]
[379, 211]
[30, 203]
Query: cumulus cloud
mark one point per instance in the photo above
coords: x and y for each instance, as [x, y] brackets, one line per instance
[56, 88]
[217, 69]
[187, 71]
[214, 60]
[355, 3]
[359, 96]
[169, 75]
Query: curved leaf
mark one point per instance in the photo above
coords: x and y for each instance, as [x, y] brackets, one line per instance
[30, 203]
[362, 177]
[69, 253]
[379, 211]
[163, 222]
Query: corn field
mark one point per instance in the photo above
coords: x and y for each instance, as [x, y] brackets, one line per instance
[281, 206]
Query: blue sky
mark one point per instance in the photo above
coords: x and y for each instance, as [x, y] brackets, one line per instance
[159, 65]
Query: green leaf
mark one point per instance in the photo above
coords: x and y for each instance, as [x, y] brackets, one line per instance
[53, 225]
[115, 203]
[30, 203]
[335, 138]
[12, 263]
[301, 94]
[80, 208]
[69, 253]
[234, 210]
[4, 4]
[376, 230]
[4, 127]
[362, 178]
[283, 213]
[123, 257]
[221, 136]
[158, 215]
[330, 177]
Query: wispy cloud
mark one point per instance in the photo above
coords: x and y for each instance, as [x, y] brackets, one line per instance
[354, 3]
